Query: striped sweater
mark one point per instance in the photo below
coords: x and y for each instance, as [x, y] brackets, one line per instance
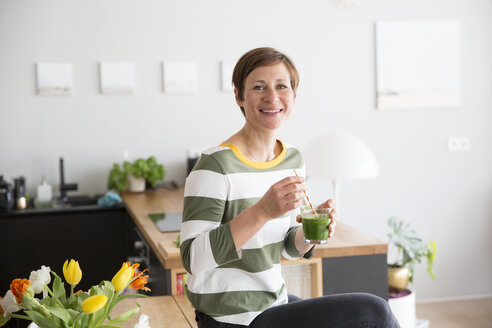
[228, 285]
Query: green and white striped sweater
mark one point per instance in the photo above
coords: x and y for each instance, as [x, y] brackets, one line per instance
[231, 286]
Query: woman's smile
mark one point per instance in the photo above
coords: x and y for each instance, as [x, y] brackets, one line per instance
[271, 111]
[268, 97]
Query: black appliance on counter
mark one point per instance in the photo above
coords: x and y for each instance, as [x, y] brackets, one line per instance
[6, 196]
[20, 193]
[64, 187]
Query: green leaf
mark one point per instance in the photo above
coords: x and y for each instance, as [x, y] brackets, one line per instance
[76, 304]
[410, 247]
[108, 290]
[60, 313]
[99, 316]
[29, 302]
[118, 178]
[120, 298]
[96, 290]
[59, 289]
[431, 256]
[124, 316]
[73, 314]
[3, 320]
[40, 320]
[48, 301]
[84, 320]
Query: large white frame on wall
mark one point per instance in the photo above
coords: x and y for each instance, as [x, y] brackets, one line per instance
[418, 64]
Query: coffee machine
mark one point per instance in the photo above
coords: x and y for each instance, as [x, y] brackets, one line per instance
[6, 196]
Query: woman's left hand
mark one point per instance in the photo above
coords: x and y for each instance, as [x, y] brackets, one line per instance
[333, 215]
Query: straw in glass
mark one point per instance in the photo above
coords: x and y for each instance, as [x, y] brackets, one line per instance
[307, 197]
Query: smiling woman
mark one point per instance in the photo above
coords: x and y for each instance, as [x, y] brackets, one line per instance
[260, 58]
[239, 218]
[268, 98]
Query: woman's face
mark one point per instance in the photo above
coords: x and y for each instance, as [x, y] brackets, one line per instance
[268, 97]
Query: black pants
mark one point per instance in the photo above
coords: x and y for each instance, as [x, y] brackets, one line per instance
[343, 310]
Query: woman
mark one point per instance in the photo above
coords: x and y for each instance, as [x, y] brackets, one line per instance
[240, 217]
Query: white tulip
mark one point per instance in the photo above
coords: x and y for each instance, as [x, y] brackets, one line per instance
[40, 278]
[9, 304]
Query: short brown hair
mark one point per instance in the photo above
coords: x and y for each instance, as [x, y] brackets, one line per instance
[258, 57]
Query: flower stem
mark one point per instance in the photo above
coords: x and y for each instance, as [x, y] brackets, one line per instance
[60, 303]
[20, 316]
[76, 317]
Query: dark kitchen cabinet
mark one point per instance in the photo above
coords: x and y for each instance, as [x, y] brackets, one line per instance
[97, 238]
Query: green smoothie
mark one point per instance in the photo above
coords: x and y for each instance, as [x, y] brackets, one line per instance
[315, 227]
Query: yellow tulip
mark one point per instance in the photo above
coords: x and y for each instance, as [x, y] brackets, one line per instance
[122, 277]
[94, 303]
[72, 272]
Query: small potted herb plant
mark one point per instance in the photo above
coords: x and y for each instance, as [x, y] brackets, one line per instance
[134, 175]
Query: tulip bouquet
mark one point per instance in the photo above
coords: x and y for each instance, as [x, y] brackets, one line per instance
[56, 309]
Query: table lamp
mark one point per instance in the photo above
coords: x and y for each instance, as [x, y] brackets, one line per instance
[339, 157]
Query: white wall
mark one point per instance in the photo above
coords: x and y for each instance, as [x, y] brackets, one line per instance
[446, 196]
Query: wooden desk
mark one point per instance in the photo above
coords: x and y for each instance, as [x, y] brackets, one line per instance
[186, 308]
[163, 312]
[351, 260]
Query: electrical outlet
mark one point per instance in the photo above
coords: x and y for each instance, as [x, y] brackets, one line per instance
[126, 154]
[458, 144]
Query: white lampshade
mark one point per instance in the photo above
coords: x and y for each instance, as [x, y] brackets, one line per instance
[340, 157]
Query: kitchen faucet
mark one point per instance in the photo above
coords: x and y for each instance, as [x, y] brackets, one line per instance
[64, 187]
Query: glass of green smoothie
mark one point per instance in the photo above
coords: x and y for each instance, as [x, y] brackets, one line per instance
[315, 224]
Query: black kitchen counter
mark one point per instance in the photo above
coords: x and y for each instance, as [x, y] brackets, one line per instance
[60, 209]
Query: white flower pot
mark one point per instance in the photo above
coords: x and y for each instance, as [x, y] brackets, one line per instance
[404, 309]
[136, 184]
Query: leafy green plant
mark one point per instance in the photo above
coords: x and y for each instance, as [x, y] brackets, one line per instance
[118, 178]
[149, 169]
[410, 248]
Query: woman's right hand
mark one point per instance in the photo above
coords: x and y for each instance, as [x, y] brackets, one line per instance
[282, 197]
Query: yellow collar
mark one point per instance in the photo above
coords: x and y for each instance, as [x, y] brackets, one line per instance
[257, 165]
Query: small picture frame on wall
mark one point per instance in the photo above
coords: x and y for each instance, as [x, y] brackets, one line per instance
[54, 79]
[180, 77]
[117, 77]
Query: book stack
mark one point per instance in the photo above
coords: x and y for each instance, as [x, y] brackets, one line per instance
[180, 283]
